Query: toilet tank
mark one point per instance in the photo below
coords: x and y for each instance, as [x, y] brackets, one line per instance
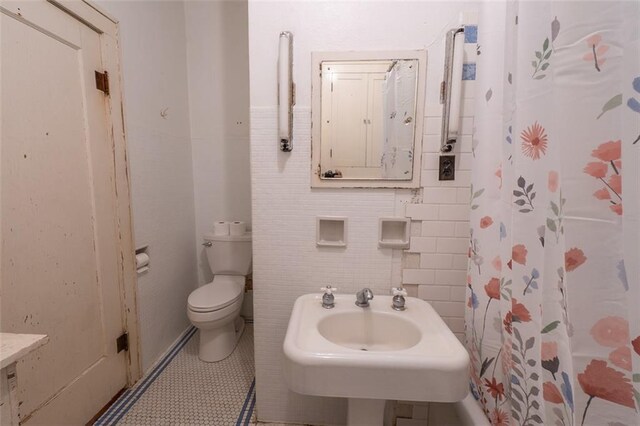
[229, 255]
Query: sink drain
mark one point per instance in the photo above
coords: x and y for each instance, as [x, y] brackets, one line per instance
[364, 349]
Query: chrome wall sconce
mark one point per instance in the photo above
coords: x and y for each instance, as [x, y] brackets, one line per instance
[451, 90]
[286, 91]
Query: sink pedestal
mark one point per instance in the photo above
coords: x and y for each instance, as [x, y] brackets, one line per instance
[365, 412]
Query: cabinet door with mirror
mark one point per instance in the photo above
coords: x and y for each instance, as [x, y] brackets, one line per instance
[367, 110]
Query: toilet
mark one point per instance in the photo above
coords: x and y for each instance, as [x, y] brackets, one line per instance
[214, 308]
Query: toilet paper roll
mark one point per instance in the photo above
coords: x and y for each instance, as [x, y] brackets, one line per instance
[237, 228]
[221, 228]
[142, 260]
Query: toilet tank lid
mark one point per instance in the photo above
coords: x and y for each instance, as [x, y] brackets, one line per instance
[209, 236]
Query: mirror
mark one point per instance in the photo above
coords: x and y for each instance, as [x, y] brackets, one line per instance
[367, 119]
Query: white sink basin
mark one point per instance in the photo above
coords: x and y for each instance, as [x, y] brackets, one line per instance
[369, 330]
[373, 353]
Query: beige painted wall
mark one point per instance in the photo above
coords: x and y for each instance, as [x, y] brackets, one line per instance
[218, 71]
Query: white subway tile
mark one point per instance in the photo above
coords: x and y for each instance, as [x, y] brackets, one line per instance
[436, 195]
[412, 289]
[411, 260]
[438, 229]
[431, 143]
[451, 277]
[463, 178]
[430, 161]
[459, 261]
[420, 412]
[404, 410]
[458, 293]
[416, 228]
[462, 229]
[454, 212]
[464, 196]
[452, 245]
[436, 261]
[433, 292]
[422, 245]
[433, 110]
[465, 161]
[422, 211]
[418, 276]
[432, 125]
[470, 53]
[468, 88]
[464, 144]
[470, 17]
[466, 126]
[468, 107]
[429, 178]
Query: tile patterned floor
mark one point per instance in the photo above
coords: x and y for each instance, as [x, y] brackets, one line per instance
[182, 390]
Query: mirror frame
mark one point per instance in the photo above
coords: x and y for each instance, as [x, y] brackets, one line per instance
[316, 102]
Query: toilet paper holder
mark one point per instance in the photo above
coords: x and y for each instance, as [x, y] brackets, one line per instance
[142, 259]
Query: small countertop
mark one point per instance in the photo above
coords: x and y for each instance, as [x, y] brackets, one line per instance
[14, 346]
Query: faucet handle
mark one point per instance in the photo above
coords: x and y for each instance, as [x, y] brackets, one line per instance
[399, 291]
[328, 289]
[328, 301]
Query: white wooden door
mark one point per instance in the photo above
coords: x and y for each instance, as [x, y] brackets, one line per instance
[349, 119]
[63, 264]
[375, 121]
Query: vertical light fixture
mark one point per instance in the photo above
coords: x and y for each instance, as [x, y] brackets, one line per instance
[285, 91]
[451, 92]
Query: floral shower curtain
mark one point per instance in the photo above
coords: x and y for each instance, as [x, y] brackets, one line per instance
[553, 317]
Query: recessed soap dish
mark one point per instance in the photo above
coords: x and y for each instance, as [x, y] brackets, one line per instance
[331, 231]
[393, 232]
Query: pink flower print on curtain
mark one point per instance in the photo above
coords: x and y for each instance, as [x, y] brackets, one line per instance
[596, 52]
[534, 141]
[600, 381]
[608, 170]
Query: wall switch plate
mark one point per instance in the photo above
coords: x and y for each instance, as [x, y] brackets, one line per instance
[447, 169]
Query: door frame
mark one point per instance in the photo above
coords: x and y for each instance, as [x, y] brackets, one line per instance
[31, 12]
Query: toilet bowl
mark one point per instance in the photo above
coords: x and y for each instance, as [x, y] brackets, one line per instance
[214, 308]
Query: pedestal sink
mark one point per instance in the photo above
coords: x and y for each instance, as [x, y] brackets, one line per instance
[373, 354]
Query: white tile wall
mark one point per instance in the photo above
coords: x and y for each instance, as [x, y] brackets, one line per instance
[286, 261]
[443, 212]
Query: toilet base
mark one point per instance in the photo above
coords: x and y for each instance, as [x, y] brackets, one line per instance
[218, 343]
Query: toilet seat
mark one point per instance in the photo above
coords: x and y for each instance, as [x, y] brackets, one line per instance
[223, 291]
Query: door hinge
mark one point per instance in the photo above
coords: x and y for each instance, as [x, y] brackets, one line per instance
[102, 82]
[122, 342]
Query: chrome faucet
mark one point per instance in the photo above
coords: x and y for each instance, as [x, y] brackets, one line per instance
[363, 297]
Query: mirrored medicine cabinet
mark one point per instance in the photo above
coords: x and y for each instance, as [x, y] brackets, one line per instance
[367, 117]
